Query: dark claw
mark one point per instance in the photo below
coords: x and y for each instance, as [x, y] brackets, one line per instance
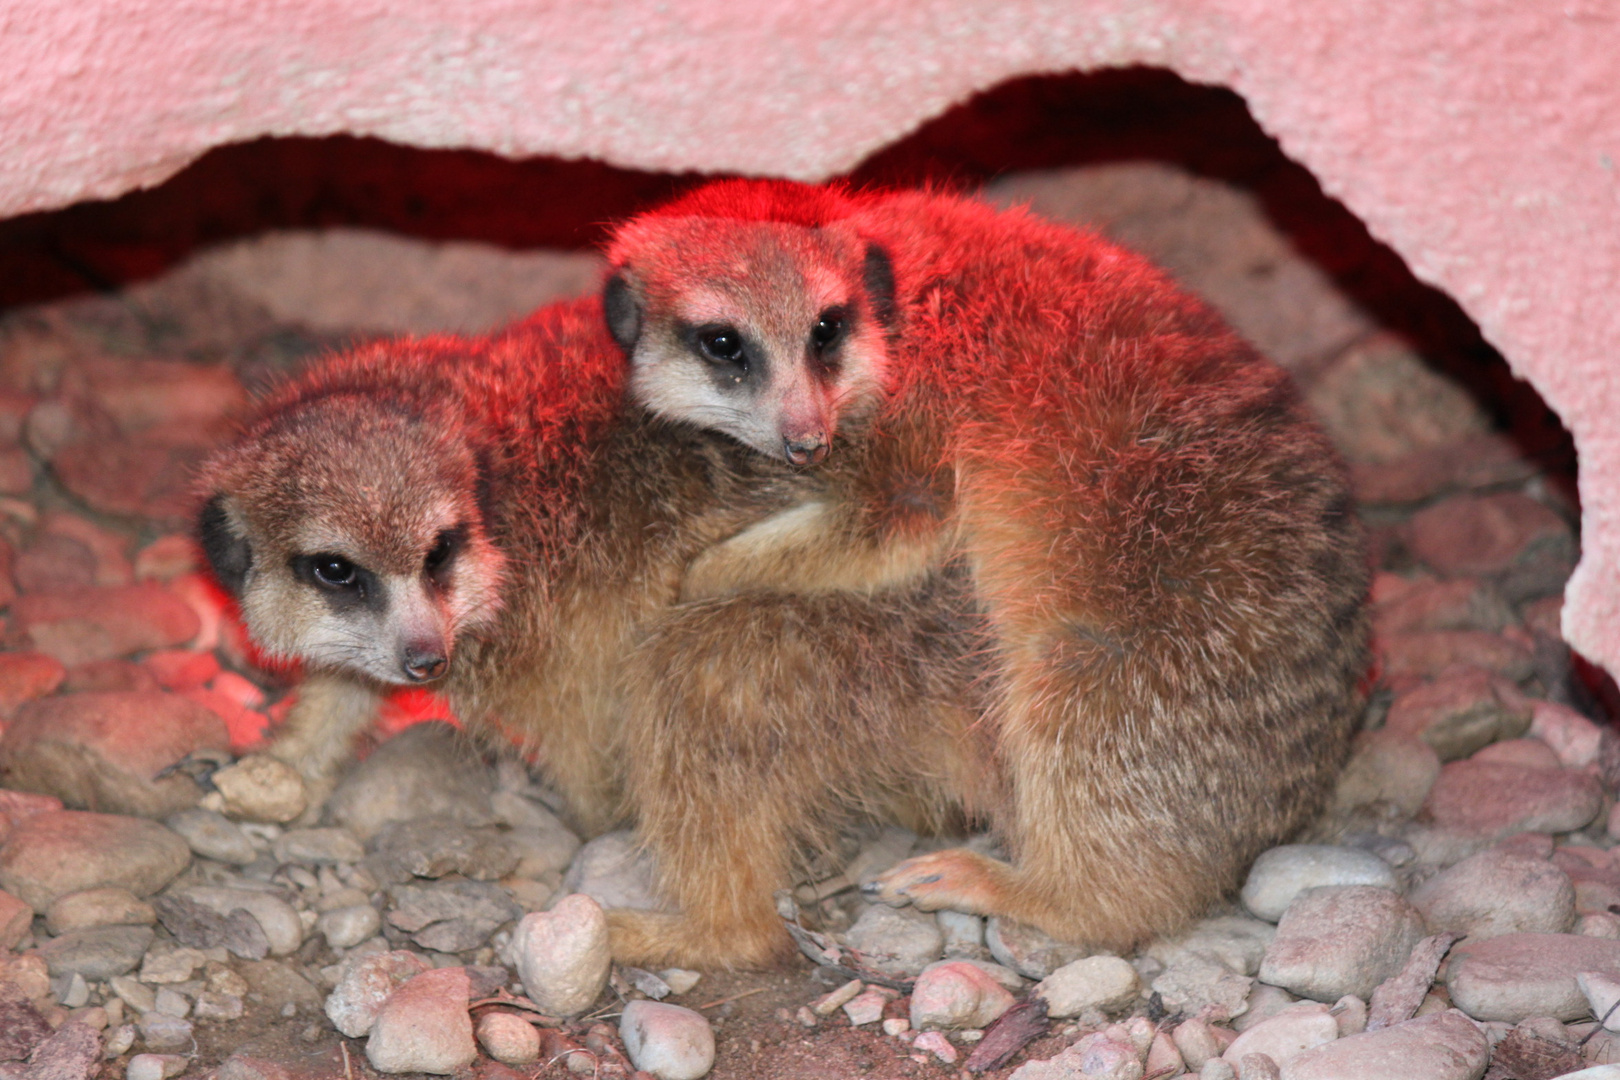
[200, 765]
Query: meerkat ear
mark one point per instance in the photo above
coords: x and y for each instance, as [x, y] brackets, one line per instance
[878, 276]
[229, 553]
[623, 311]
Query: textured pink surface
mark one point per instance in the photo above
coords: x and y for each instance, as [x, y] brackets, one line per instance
[1477, 137]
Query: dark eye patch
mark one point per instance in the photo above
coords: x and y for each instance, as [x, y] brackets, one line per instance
[442, 555]
[342, 582]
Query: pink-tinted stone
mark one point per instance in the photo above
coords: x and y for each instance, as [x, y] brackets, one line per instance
[166, 558]
[1489, 799]
[1517, 976]
[1462, 604]
[106, 750]
[1427, 653]
[175, 400]
[77, 626]
[54, 562]
[182, 669]
[25, 676]
[15, 919]
[130, 477]
[54, 853]
[247, 728]
[1475, 462]
[102, 676]
[1463, 710]
[1482, 534]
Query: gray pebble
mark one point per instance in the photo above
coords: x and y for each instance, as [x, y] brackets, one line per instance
[213, 836]
[1341, 939]
[1282, 873]
[671, 1042]
[347, 927]
[896, 941]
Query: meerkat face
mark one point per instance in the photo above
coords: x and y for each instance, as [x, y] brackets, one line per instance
[768, 332]
[354, 540]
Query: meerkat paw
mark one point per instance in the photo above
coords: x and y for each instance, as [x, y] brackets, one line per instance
[956, 879]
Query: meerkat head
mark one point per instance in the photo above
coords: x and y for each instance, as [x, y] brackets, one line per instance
[755, 309]
[352, 533]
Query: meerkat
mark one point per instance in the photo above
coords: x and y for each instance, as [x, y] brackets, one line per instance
[1160, 538]
[490, 517]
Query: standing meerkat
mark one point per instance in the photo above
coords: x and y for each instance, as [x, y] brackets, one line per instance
[1160, 537]
[490, 516]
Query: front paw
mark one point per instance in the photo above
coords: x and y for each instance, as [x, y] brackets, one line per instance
[955, 879]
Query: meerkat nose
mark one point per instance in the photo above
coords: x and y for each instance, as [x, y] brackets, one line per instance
[809, 450]
[423, 665]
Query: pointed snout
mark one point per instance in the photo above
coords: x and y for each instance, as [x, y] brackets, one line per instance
[424, 661]
[808, 449]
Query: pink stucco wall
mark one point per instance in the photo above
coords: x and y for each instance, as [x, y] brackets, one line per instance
[1479, 138]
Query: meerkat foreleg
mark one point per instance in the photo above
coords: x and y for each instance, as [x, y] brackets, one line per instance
[319, 735]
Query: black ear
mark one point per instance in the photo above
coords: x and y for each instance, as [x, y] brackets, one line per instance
[623, 311]
[879, 279]
[229, 555]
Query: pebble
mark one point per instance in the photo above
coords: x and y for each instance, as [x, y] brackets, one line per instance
[346, 927]
[119, 1040]
[97, 954]
[155, 1067]
[1460, 712]
[424, 1026]
[1217, 1069]
[1341, 939]
[964, 934]
[426, 769]
[434, 847]
[1107, 983]
[199, 927]
[543, 843]
[1482, 534]
[956, 994]
[1093, 1057]
[1575, 740]
[1196, 1042]
[671, 1042]
[364, 983]
[1599, 924]
[260, 788]
[167, 962]
[867, 1006]
[451, 916]
[108, 750]
[16, 918]
[1492, 800]
[933, 1042]
[1282, 873]
[679, 980]
[896, 941]
[562, 955]
[25, 676]
[80, 626]
[1032, 953]
[835, 999]
[1526, 753]
[171, 1002]
[509, 1039]
[213, 836]
[614, 872]
[282, 927]
[1286, 1035]
[1387, 767]
[134, 993]
[1235, 942]
[1497, 892]
[1517, 976]
[318, 847]
[1442, 1046]
[160, 1031]
[1602, 993]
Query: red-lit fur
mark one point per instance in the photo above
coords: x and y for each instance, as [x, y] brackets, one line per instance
[1160, 538]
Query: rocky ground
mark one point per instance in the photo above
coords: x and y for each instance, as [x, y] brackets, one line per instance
[1456, 914]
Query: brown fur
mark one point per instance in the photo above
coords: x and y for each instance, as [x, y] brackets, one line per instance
[1159, 537]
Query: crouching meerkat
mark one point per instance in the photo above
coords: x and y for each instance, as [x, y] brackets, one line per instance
[489, 516]
[1160, 538]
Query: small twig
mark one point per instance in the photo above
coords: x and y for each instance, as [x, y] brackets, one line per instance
[348, 1069]
[735, 997]
[1601, 1023]
[503, 998]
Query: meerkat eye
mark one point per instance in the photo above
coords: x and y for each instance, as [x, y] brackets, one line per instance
[443, 551]
[722, 344]
[829, 329]
[334, 572]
